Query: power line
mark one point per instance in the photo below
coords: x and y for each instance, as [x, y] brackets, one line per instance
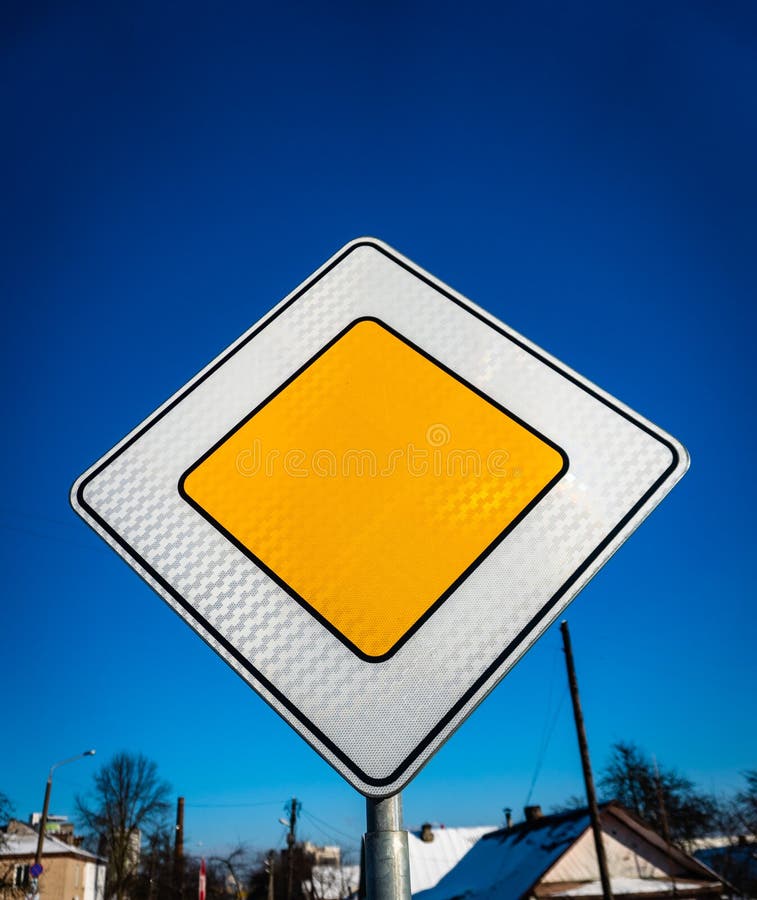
[331, 836]
[234, 805]
[333, 830]
[549, 726]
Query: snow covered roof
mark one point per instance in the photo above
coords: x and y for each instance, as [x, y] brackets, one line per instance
[506, 863]
[553, 856]
[431, 860]
[26, 845]
[622, 886]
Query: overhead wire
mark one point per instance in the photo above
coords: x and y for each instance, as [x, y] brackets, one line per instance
[550, 722]
[233, 805]
[326, 828]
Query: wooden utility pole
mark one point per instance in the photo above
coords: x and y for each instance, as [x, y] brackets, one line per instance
[663, 814]
[291, 840]
[270, 865]
[661, 803]
[179, 850]
[583, 747]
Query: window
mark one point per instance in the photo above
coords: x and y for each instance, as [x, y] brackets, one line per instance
[21, 875]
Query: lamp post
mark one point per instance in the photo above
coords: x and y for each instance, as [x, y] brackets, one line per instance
[46, 804]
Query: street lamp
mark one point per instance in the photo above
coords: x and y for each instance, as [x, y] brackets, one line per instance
[46, 804]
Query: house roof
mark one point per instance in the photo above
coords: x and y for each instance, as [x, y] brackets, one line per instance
[509, 863]
[633, 886]
[431, 860]
[24, 844]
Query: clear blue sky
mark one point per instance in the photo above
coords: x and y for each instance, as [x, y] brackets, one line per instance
[586, 172]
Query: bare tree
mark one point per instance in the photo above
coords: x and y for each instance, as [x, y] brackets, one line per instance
[128, 800]
[734, 857]
[746, 804]
[302, 867]
[157, 871]
[8, 887]
[234, 870]
[328, 882]
[663, 798]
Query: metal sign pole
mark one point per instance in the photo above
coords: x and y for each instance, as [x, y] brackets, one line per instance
[387, 865]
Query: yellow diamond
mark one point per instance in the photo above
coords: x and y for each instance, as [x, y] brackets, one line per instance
[371, 484]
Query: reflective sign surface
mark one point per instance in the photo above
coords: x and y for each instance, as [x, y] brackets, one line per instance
[374, 502]
[377, 481]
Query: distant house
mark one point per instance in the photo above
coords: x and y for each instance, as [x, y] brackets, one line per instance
[328, 879]
[554, 857]
[70, 872]
[732, 857]
[332, 882]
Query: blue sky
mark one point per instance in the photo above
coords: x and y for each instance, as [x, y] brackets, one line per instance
[585, 172]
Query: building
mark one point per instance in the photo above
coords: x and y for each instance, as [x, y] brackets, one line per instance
[554, 857]
[58, 827]
[328, 855]
[332, 882]
[434, 850]
[70, 872]
[733, 857]
[328, 878]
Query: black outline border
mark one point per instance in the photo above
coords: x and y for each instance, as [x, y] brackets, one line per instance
[460, 578]
[518, 639]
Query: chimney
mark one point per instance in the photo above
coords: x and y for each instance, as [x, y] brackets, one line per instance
[508, 817]
[532, 813]
[427, 834]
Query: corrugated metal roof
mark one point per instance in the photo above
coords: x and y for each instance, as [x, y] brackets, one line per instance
[431, 860]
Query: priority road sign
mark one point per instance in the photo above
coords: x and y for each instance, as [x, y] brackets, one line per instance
[374, 502]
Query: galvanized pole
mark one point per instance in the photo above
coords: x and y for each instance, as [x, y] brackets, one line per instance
[387, 865]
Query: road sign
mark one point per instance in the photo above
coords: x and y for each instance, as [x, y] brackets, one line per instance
[36, 870]
[374, 502]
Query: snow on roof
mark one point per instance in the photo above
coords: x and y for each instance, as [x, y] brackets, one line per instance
[26, 845]
[635, 886]
[431, 860]
[505, 864]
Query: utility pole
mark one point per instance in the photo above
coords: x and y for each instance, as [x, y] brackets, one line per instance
[661, 803]
[270, 864]
[46, 807]
[152, 871]
[583, 747]
[663, 813]
[179, 850]
[291, 840]
[43, 820]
